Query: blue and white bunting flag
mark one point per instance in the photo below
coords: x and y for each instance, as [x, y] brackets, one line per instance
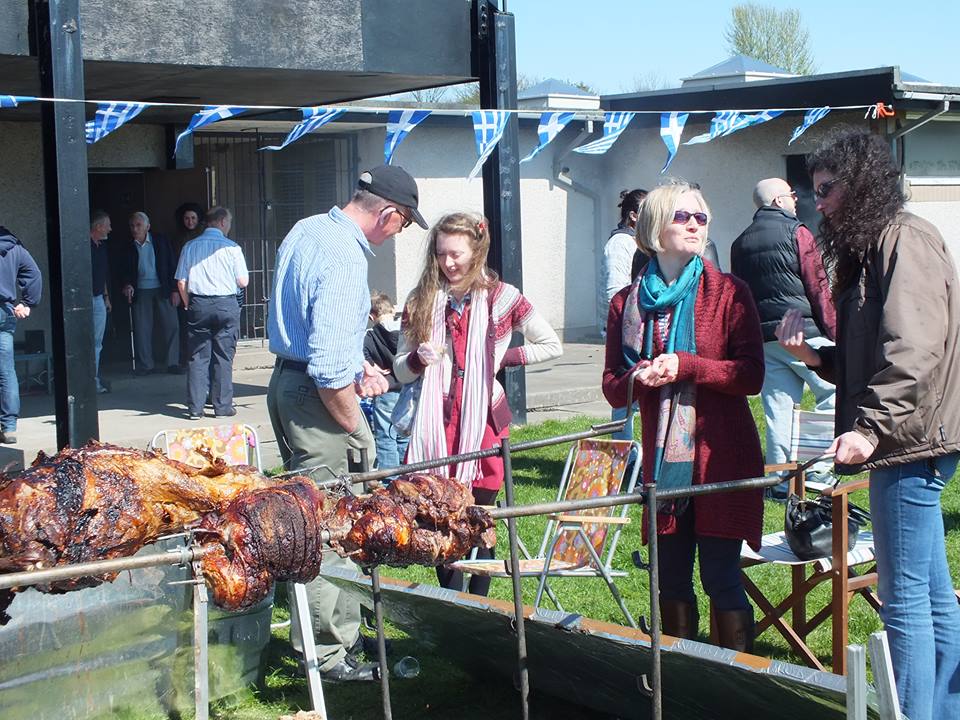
[809, 118]
[614, 124]
[210, 114]
[11, 101]
[109, 117]
[313, 118]
[399, 125]
[488, 127]
[671, 128]
[551, 124]
[727, 122]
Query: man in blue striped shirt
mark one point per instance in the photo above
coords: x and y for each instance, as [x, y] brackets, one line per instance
[317, 320]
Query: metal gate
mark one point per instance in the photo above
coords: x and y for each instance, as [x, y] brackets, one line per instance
[268, 192]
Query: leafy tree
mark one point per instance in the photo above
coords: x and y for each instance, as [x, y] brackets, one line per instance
[774, 36]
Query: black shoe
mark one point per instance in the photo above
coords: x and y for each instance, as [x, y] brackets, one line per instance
[195, 416]
[227, 413]
[351, 670]
[175, 370]
[141, 373]
[368, 646]
[8, 437]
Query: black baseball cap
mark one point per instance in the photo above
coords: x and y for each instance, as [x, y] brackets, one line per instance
[395, 184]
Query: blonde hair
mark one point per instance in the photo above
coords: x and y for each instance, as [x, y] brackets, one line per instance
[656, 213]
[419, 307]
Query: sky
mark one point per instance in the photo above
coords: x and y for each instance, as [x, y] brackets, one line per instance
[609, 44]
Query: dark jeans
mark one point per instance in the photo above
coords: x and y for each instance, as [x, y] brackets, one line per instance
[453, 579]
[213, 325]
[9, 387]
[719, 566]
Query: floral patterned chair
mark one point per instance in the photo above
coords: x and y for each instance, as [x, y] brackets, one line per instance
[582, 543]
[236, 444]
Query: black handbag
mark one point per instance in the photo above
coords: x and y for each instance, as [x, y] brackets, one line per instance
[808, 526]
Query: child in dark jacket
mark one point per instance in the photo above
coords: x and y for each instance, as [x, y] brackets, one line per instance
[379, 348]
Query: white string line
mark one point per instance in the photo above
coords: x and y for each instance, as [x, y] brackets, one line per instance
[587, 115]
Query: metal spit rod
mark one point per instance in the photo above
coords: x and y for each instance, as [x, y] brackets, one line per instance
[366, 477]
[179, 556]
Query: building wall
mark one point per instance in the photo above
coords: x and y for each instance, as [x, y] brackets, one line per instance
[557, 225]
[22, 207]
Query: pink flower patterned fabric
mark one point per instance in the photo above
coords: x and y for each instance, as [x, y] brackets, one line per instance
[230, 442]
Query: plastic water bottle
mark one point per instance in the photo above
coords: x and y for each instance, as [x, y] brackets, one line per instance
[407, 667]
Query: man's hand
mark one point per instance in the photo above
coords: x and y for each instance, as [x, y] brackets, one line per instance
[21, 311]
[790, 334]
[128, 293]
[374, 381]
[175, 298]
[851, 448]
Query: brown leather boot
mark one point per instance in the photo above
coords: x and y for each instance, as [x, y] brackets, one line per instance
[735, 629]
[680, 619]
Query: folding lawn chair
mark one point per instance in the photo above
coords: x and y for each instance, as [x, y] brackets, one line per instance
[812, 434]
[580, 544]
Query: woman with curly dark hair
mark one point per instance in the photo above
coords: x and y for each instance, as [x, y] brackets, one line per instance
[896, 366]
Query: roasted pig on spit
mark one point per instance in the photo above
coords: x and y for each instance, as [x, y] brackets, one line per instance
[417, 520]
[101, 502]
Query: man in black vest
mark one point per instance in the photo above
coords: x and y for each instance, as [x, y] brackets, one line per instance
[778, 258]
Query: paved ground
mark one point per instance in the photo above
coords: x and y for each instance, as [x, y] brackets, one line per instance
[138, 408]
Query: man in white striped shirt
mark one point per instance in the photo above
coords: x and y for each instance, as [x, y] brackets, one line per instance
[317, 320]
[210, 271]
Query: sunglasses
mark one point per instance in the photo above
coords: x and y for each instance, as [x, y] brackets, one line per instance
[825, 189]
[682, 217]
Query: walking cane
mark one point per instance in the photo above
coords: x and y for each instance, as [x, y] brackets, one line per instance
[133, 349]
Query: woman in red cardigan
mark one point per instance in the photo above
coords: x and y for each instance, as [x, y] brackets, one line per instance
[455, 334]
[695, 333]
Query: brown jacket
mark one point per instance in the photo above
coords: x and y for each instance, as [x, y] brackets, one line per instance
[897, 361]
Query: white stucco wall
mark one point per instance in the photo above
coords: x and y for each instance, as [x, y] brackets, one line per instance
[556, 225]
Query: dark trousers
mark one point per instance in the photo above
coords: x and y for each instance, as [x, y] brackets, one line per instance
[719, 566]
[213, 325]
[453, 579]
[151, 306]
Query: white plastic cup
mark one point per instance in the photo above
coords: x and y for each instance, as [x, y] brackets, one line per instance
[407, 667]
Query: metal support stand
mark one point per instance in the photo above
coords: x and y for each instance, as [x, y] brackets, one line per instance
[653, 685]
[201, 678]
[883, 678]
[311, 668]
[514, 570]
[378, 615]
[856, 683]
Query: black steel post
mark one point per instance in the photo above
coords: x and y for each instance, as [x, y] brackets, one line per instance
[515, 580]
[378, 615]
[495, 64]
[56, 28]
[656, 709]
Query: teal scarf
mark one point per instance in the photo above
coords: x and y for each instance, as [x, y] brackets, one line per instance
[676, 422]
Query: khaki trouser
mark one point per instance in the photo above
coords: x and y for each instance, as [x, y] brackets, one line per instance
[309, 436]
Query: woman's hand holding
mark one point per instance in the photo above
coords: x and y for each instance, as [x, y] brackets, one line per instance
[429, 354]
[851, 448]
[790, 334]
[661, 371]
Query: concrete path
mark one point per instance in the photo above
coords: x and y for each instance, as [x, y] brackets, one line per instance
[137, 408]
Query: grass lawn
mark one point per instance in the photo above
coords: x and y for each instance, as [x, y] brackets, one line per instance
[443, 691]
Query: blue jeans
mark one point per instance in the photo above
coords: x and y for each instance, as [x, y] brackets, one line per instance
[99, 327]
[391, 447]
[9, 387]
[783, 382]
[920, 610]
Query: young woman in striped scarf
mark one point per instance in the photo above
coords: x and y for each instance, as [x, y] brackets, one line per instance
[455, 334]
[695, 332]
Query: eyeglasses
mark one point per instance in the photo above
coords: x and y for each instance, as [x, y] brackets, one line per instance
[682, 217]
[824, 190]
[407, 220]
[791, 194]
